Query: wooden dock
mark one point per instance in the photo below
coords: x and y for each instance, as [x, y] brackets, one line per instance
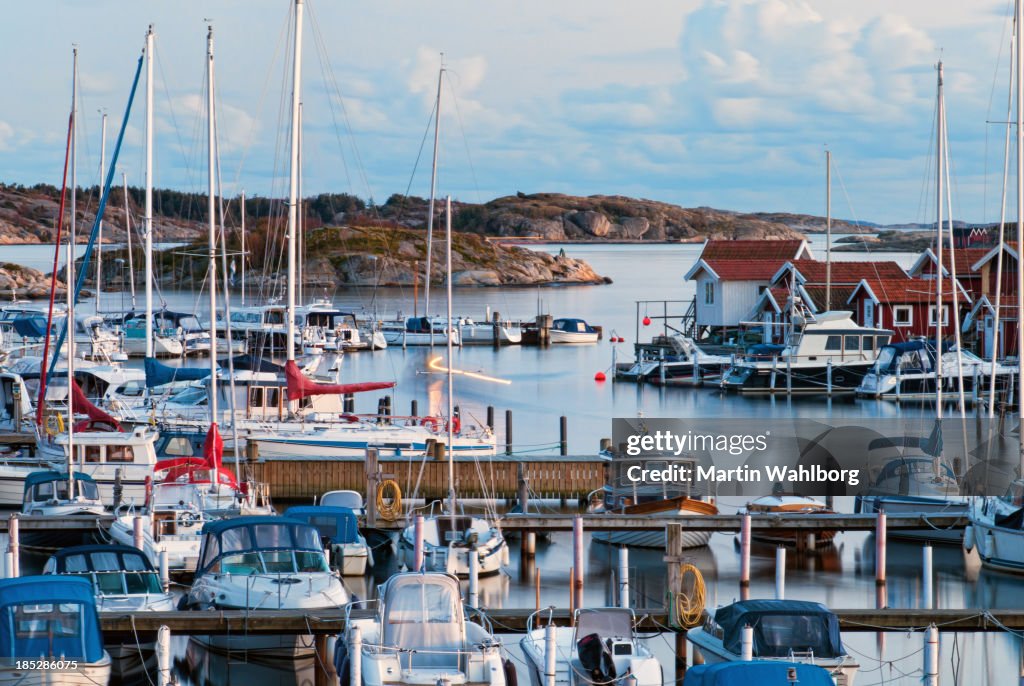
[144, 625]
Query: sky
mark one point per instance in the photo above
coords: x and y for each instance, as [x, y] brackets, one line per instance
[721, 103]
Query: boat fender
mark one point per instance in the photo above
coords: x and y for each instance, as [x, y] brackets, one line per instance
[969, 538]
[431, 423]
[149, 491]
[511, 678]
[341, 662]
[456, 425]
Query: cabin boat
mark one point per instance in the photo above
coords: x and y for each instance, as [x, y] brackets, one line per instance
[122, 389]
[996, 530]
[572, 331]
[489, 333]
[789, 630]
[420, 635]
[757, 671]
[167, 340]
[906, 371]
[789, 504]
[328, 329]
[830, 353]
[51, 618]
[348, 552]
[123, 580]
[622, 495]
[601, 647]
[15, 403]
[265, 563]
[419, 331]
[51, 493]
[449, 540]
[680, 358]
[915, 485]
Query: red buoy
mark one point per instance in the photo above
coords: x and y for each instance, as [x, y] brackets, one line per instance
[647, 321]
[599, 376]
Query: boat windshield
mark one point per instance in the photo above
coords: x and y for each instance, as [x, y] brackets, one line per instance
[1015, 494]
[47, 629]
[885, 358]
[59, 490]
[605, 622]
[114, 583]
[272, 562]
[423, 613]
[264, 548]
[781, 635]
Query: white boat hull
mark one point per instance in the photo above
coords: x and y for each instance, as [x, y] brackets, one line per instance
[556, 336]
[650, 539]
[917, 506]
[999, 548]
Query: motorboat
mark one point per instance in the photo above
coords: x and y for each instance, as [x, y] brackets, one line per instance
[264, 563]
[622, 495]
[829, 353]
[123, 580]
[353, 500]
[787, 630]
[919, 485]
[907, 371]
[328, 329]
[789, 504]
[15, 403]
[601, 647]
[61, 494]
[167, 341]
[419, 331]
[54, 619]
[348, 551]
[489, 333]
[448, 542]
[672, 358]
[572, 331]
[996, 530]
[420, 635]
[757, 671]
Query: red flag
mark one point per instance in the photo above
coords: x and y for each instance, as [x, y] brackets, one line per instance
[300, 387]
[79, 403]
[213, 448]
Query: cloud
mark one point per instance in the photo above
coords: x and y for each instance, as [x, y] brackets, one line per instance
[6, 136]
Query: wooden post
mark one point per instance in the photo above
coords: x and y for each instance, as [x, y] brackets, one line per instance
[780, 573]
[355, 659]
[577, 556]
[931, 656]
[372, 481]
[165, 573]
[880, 535]
[414, 408]
[137, 532]
[623, 576]
[563, 435]
[13, 547]
[673, 560]
[325, 674]
[490, 417]
[252, 451]
[523, 488]
[536, 589]
[163, 656]
[745, 556]
[926, 577]
[118, 487]
[417, 551]
[747, 644]
[550, 656]
[508, 432]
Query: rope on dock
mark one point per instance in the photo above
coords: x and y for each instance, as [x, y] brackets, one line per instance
[389, 500]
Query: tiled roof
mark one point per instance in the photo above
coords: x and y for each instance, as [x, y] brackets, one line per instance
[745, 270]
[909, 291]
[848, 272]
[718, 249]
[840, 294]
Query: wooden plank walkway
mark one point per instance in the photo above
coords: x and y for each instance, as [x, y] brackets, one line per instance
[210, 622]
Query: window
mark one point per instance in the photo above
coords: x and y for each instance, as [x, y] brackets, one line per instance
[945, 315]
[179, 446]
[120, 453]
[869, 343]
[92, 453]
[853, 343]
[709, 293]
[834, 343]
[902, 315]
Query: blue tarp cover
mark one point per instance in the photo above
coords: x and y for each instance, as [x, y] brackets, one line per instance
[49, 617]
[760, 672]
[158, 373]
[781, 626]
[339, 524]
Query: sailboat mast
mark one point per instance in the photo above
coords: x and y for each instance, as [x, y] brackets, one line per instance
[433, 190]
[1019, 11]
[243, 256]
[293, 178]
[828, 230]
[149, 192]
[211, 209]
[939, 166]
[449, 333]
[70, 272]
[99, 241]
[300, 221]
[128, 238]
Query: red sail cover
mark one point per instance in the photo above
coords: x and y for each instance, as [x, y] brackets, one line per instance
[79, 403]
[300, 387]
[213, 447]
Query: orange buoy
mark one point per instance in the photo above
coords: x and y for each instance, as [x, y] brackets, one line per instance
[599, 376]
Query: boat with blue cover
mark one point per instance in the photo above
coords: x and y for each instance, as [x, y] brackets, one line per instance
[907, 370]
[339, 532]
[783, 630]
[572, 331]
[51, 619]
[757, 671]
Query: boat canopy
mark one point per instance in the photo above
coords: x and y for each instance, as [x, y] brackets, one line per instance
[422, 615]
[765, 350]
[253, 363]
[781, 627]
[606, 622]
[100, 558]
[45, 486]
[572, 326]
[762, 671]
[337, 524]
[50, 617]
[158, 373]
[240, 541]
[45, 477]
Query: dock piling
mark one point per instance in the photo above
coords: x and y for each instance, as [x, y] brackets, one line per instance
[931, 656]
[372, 482]
[926, 577]
[13, 548]
[623, 576]
[563, 435]
[780, 573]
[880, 535]
[747, 644]
[474, 578]
[165, 573]
[490, 417]
[9, 571]
[536, 590]
[137, 532]
[550, 657]
[577, 557]
[745, 555]
[508, 432]
[163, 656]
[417, 551]
[355, 651]
[828, 377]
[414, 408]
[349, 401]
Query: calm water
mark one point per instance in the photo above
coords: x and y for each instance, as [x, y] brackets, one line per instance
[559, 380]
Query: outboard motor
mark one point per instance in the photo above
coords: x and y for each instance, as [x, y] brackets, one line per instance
[596, 659]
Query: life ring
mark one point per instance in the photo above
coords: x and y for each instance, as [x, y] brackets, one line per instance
[456, 425]
[431, 423]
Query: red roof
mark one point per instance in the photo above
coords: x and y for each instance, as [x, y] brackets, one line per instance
[745, 270]
[761, 249]
[965, 259]
[840, 294]
[899, 291]
[848, 272]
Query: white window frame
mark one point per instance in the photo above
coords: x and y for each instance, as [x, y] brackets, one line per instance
[897, 309]
[931, 315]
[709, 292]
